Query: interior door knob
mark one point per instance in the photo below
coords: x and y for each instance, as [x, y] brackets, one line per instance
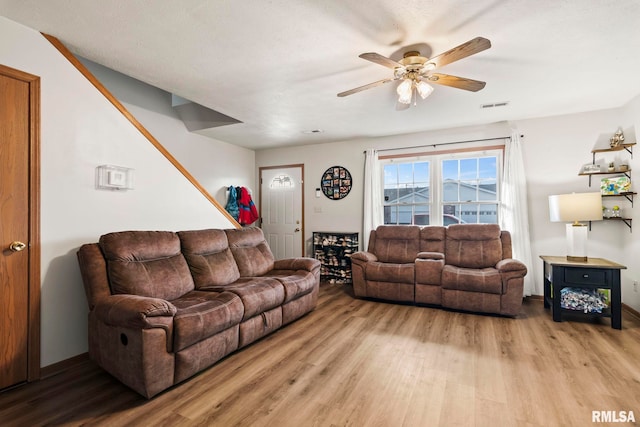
[17, 246]
[297, 230]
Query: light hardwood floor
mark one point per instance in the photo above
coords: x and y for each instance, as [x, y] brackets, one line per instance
[363, 363]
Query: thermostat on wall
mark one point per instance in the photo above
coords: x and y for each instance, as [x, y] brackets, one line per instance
[109, 177]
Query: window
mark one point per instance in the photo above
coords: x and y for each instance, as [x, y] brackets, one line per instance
[457, 188]
[282, 181]
[406, 193]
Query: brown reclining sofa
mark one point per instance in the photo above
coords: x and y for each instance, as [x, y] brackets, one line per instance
[462, 266]
[165, 305]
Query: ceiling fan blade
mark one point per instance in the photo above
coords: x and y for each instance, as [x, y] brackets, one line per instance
[457, 82]
[379, 59]
[465, 49]
[365, 87]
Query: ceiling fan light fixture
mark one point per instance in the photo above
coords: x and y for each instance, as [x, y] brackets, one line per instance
[399, 72]
[405, 91]
[424, 89]
[429, 66]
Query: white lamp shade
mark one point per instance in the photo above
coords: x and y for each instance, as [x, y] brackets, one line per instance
[575, 207]
[424, 89]
[405, 91]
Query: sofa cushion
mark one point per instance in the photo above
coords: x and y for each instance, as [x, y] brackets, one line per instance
[432, 238]
[296, 283]
[209, 257]
[258, 294]
[507, 247]
[473, 245]
[397, 243]
[201, 315]
[250, 251]
[389, 272]
[484, 280]
[146, 263]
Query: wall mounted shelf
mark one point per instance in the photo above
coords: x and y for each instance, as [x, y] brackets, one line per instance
[628, 147]
[628, 195]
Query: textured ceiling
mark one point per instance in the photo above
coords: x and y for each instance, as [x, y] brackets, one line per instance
[277, 65]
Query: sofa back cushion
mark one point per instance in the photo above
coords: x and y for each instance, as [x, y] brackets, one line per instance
[507, 248]
[432, 238]
[146, 263]
[398, 244]
[250, 251]
[473, 245]
[209, 257]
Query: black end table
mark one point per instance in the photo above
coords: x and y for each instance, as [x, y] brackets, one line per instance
[595, 273]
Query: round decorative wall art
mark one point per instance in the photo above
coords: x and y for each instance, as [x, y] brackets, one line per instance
[336, 182]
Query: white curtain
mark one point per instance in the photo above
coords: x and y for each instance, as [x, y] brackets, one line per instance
[514, 215]
[373, 210]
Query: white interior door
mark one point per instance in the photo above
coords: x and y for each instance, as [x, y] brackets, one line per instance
[281, 195]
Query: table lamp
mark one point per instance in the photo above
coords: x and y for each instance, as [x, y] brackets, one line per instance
[574, 208]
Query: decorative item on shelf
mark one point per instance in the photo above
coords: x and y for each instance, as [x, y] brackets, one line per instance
[573, 208]
[616, 139]
[623, 167]
[612, 167]
[616, 212]
[616, 185]
[590, 168]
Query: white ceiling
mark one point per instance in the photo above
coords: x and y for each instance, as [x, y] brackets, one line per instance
[277, 65]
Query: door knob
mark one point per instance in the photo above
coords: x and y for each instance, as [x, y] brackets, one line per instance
[296, 230]
[17, 246]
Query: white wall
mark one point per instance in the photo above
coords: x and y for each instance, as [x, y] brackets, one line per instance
[555, 148]
[79, 131]
[216, 164]
[631, 119]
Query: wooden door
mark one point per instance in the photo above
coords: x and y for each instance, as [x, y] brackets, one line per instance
[281, 209]
[19, 235]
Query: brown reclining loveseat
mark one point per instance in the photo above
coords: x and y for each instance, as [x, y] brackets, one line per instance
[462, 266]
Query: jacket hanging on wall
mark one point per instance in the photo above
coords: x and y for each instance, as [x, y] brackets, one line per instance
[248, 212]
[232, 203]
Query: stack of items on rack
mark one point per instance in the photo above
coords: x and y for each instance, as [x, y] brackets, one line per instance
[334, 252]
[585, 300]
[240, 205]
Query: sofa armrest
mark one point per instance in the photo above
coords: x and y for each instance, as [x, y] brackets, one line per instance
[430, 255]
[512, 273]
[510, 264]
[364, 257]
[429, 269]
[299, 263]
[134, 311]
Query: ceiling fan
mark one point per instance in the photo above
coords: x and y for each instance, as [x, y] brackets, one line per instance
[416, 72]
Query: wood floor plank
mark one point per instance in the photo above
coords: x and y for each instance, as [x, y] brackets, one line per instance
[354, 362]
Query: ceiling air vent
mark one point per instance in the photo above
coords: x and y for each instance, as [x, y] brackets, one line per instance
[495, 104]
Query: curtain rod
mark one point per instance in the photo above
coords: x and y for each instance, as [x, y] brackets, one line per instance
[447, 143]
